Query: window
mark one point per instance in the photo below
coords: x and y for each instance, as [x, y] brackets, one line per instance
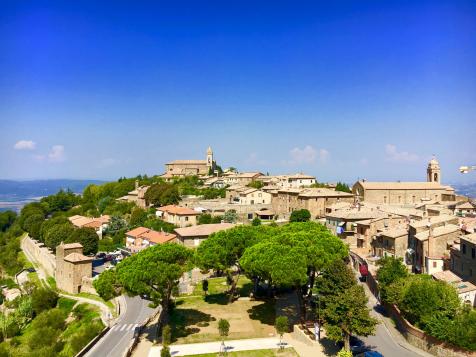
[434, 264]
[384, 199]
[464, 248]
[473, 253]
[186, 219]
[399, 199]
[250, 215]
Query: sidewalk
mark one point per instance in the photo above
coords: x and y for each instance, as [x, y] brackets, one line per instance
[214, 347]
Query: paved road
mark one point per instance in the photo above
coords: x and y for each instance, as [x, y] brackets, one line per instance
[383, 341]
[118, 338]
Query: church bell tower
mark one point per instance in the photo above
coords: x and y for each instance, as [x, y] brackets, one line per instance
[210, 158]
[433, 172]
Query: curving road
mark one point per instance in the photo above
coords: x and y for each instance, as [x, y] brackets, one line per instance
[116, 341]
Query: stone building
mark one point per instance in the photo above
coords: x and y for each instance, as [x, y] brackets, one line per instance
[181, 168]
[392, 242]
[404, 193]
[316, 200]
[432, 247]
[136, 196]
[463, 257]
[243, 178]
[73, 269]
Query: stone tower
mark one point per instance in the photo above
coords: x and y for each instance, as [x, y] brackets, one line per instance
[210, 158]
[433, 172]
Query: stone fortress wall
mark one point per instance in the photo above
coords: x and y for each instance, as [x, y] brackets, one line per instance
[40, 254]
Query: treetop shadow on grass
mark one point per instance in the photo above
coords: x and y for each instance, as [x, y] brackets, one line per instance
[181, 321]
[220, 299]
[264, 312]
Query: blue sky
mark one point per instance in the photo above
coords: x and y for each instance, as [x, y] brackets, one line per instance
[342, 90]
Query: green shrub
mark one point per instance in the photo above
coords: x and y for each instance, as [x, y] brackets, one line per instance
[43, 299]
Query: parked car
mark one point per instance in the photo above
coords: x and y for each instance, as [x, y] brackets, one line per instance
[31, 270]
[100, 255]
[109, 257]
[369, 354]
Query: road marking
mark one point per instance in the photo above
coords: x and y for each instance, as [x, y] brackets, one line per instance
[123, 327]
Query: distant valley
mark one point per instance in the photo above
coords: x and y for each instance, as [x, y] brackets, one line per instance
[15, 194]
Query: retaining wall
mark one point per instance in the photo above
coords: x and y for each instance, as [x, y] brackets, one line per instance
[40, 254]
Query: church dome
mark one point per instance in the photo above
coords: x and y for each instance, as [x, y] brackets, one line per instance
[433, 162]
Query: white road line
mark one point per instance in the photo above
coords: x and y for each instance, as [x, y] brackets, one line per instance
[123, 327]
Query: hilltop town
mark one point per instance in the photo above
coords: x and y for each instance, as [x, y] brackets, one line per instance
[245, 248]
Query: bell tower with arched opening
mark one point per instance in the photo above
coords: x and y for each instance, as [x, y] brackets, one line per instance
[433, 172]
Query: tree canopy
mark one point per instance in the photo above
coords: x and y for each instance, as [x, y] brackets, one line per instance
[302, 215]
[88, 239]
[154, 272]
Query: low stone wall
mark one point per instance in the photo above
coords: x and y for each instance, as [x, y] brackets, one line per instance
[300, 335]
[412, 334]
[420, 339]
[40, 254]
[87, 286]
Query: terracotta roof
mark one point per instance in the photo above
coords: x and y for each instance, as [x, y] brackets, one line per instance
[368, 185]
[93, 224]
[136, 232]
[77, 257]
[434, 220]
[395, 232]
[82, 221]
[158, 237]
[181, 211]
[470, 238]
[438, 231]
[465, 205]
[72, 245]
[447, 275]
[453, 279]
[203, 229]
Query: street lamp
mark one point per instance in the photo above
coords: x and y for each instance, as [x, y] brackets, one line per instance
[466, 169]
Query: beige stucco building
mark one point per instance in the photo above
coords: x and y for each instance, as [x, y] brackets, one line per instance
[298, 180]
[404, 193]
[181, 168]
[72, 267]
[179, 216]
[141, 238]
[192, 236]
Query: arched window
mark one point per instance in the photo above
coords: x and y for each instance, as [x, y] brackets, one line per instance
[435, 177]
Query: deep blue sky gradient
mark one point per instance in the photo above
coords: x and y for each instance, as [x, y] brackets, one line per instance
[126, 86]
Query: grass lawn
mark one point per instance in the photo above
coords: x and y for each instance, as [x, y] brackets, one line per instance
[196, 320]
[287, 352]
[52, 282]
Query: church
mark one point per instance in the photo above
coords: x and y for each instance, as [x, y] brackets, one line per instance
[181, 168]
[406, 193]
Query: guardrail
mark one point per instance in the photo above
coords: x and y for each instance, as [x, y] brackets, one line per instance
[91, 343]
[137, 332]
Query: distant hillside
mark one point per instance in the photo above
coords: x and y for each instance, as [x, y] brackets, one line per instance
[15, 194]
[466, 189]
